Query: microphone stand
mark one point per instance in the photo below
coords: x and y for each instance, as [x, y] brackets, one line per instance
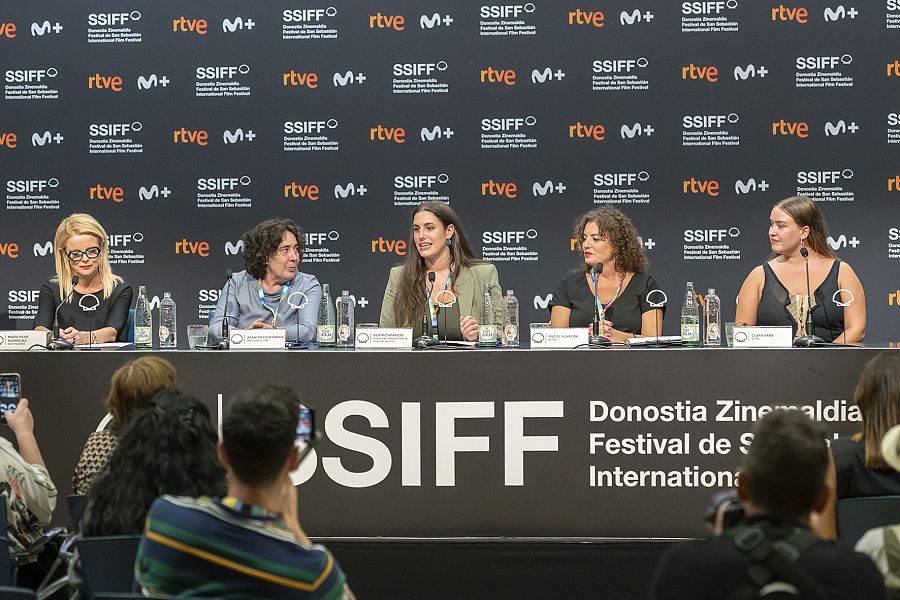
[57, 343]
[810, 340]
[425, 341]
[595, 340]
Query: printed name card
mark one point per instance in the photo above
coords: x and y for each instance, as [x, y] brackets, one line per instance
[384, 337]
[561, 337]
[23, 340]
[257, 339]
[763, 337]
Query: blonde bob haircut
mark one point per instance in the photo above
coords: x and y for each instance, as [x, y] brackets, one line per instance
[81, 224]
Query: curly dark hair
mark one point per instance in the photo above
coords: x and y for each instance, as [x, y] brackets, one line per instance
[621, 233]
[168, 448]
[261, 242]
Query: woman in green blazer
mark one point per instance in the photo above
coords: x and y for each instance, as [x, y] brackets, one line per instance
[438, 245]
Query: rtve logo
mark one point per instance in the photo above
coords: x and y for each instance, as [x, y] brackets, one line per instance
[840, 128]
[380, 133]
[590, 18]
[8, 139]
[799, 129]
[750, 186]
[292, 127]
[47, 137]
[842, 242]
[790, 13]
[301, 190]
[41, 29]
[383, 246]
[304, 15]
[237, 24]
[710, 187]
[152, 192]
[350, 189]
[508, 189]
[185, 25]
[430, 134]
[190, 136]
[695, 72]
[186, 246]
[707, 8]
[587, 131]
[492, 75]
[99, 82]
[893, 69]
[348, 78]
[9, 250]
[300, 79]
[31, 185]
[7, 30]
[634, 17]
[894, 298]
[751, 71]
[504, 11]
[113, 18]
[839, 13]
[380, 21]
[619, 65]
[547, 188]
[98, 191]
[151, 81]
[893, 183]
[30, 75]
[435, 20]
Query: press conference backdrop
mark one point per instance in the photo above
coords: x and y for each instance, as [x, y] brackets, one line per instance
[179, 125]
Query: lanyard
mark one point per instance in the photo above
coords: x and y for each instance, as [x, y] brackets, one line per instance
[432, 310]
[601, 308]
[262, 300]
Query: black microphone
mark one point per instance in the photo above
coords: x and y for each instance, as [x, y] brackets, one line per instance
[224, 343]
[810, 339]
[60, 344]
[424, 340]
[595, 340]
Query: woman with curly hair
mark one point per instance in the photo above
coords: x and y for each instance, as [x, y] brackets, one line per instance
[169, 448]
[271, 292]
[616, 266]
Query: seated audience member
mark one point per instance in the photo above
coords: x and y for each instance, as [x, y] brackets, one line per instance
[131, 388]
[29, 493]
[781, 480]
[883, 543]
[248, 544]
[168, 448]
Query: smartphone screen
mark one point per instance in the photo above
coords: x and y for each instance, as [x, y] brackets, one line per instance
[306, 425]
[10, 392]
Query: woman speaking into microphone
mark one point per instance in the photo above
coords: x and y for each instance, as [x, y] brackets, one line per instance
[612, 281]
[775, 293]
[88, 302]
[453, 298]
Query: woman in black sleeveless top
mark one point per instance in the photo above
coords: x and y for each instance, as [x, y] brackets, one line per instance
[775, 292]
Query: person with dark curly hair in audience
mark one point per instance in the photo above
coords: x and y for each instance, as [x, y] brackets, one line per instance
[168, 448]
[131, 388]
[781, 482]
[248, 544]
[615, 265]
[271, 292]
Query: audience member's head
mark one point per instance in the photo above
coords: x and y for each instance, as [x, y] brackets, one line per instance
[877, 395]
[134, 384]
[168, 448]
[784, 470]
[258, 432]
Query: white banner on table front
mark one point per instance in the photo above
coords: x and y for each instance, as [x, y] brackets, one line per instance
[384, 337]
[558, 337]
[763, 337]
[257, 339]
[15, 339]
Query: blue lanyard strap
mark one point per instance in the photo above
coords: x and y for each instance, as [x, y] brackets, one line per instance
[262, 299]
[601, 308]
[432, 310]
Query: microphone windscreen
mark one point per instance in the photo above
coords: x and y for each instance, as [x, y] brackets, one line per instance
[431, 276]
[74, 279]
[228, 273]
[598, 268]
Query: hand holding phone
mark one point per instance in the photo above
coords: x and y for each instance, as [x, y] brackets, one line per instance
[10, 393]
[19, 418]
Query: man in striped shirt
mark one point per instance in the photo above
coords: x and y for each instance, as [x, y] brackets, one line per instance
[248, 544]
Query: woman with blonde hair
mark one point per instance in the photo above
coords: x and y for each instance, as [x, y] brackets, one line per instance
[131, 389]
[92, 302]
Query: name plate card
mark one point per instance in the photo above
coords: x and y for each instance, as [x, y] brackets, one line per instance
[257, 339]
[23, 340]
[763, 337]
[384, 337]
[559, 337]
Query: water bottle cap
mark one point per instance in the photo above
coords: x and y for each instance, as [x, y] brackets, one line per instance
[509, 292]
[167, 294]
[712, 291]
[345, 293]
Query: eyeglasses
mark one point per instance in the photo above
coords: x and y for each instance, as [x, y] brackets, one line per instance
[286, 250]
[76, 255]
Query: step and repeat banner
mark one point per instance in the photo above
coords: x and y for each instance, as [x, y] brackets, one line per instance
[180, 125]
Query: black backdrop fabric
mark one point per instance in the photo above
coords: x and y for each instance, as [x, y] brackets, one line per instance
[180, 125]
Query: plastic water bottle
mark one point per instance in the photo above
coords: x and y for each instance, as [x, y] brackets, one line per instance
[690, 319]
[143, 320]
[487, 328]
[712, 316]
[167, 327]
[510, 320]
[325, 330]
[345, 321]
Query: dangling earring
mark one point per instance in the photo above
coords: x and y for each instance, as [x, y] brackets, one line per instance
[449, 242]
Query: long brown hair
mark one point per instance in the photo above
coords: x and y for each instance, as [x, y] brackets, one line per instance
[615, 226]
[410, 301]
[877, 395]
[806, 213]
